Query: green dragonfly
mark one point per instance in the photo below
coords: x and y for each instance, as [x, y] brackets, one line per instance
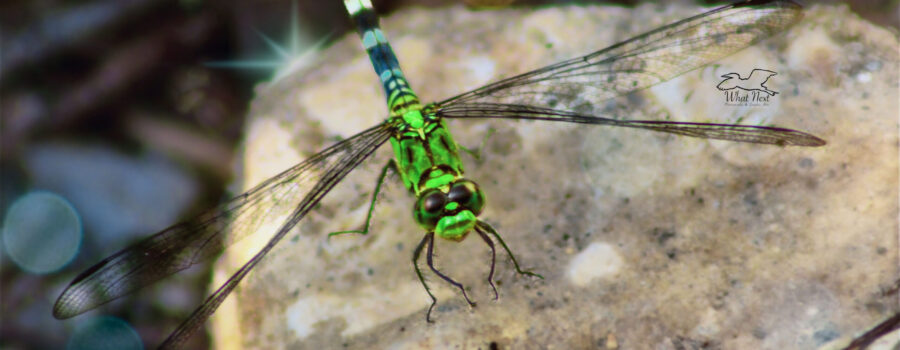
[427, 158]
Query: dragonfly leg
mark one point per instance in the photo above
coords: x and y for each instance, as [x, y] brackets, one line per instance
[391, 165]
[429, 257]
[416, 254]
[476, 153]
[490, 278]
[481, 225]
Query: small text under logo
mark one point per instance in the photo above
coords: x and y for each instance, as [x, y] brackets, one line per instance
[750, 91]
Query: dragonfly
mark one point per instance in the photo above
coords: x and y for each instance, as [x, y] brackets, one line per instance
[427, 159]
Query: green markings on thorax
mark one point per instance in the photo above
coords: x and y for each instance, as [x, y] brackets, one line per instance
[427, 156]
[421, 143]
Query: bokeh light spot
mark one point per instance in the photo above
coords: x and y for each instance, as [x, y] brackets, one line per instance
[104, 333]
[41, 232]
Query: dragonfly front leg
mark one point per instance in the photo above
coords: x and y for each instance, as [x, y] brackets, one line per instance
[482, 226]
[428, 243]
[415, 260]
[490, 278]
[391, 165]
[429, 257]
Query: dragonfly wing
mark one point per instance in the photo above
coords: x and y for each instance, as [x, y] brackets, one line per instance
[728, 132]
[287, 196]
[643, 61]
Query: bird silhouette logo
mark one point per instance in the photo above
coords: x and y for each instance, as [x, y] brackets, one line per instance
[756, 81]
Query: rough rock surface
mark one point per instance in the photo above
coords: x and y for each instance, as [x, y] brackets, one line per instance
[645, 240]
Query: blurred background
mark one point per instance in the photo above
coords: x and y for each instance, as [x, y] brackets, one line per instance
[121, 117]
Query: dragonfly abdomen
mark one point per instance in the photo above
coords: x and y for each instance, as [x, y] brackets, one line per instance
[400, 96]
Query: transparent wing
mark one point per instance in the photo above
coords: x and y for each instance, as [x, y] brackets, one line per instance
[287, 197]
[640, 62]
[729, 132]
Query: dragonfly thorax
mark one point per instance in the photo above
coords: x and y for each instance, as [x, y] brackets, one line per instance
[450, 210]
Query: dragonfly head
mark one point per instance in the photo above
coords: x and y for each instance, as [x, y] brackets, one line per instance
[452, 211]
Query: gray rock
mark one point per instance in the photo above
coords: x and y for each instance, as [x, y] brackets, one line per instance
[644, 240]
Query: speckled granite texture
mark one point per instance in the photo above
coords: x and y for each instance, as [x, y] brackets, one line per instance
[645, 240]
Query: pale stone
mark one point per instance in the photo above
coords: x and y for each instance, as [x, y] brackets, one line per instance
[597, 261]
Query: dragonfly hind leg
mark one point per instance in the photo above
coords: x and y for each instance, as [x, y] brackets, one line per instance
[391, 165]
[476, 153]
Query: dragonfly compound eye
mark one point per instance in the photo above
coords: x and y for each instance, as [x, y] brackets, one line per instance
[468, 195]
[434, 202]
[429, 208]
[460, 193]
